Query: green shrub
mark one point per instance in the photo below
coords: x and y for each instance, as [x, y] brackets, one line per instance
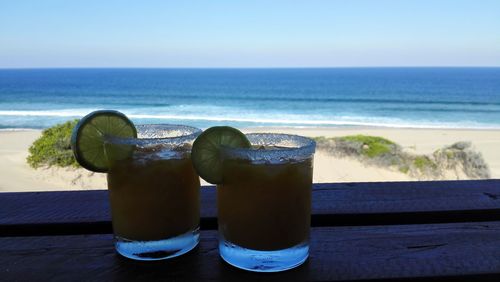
[381, 152]
[376, 145]
[424, 162]
[320, 139]
[53, 148]
[404, 169]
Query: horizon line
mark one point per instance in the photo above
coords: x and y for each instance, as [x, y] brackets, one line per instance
[243, 67]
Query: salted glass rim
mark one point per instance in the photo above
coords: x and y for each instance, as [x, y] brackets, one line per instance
[146, 133]
[290, 147]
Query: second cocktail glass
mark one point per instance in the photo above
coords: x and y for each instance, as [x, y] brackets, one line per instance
[264, 202]
[154, 193]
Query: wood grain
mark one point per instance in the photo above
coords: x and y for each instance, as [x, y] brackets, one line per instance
[441, 251]
[87, 212]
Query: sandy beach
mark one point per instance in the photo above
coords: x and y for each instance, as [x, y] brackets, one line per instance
[16, 175]
[417, 141]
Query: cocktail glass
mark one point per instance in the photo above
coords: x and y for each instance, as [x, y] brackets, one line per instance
[264, 203]
[154, 193]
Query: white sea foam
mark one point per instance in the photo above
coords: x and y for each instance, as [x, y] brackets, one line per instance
[255, 119]
[16, 129]
[54, 113]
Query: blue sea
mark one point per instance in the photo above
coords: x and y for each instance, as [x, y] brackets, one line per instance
[335, 97]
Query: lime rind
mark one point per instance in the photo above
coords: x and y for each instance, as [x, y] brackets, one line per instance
[206, 153]
[89, 144]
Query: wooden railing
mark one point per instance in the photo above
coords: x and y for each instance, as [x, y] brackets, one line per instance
[360, 231]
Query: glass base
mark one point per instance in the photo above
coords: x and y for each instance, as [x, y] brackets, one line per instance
[157, 250]
[263, 261]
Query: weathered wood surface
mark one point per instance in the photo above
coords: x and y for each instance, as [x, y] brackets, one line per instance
[450, 251]
[87, 212]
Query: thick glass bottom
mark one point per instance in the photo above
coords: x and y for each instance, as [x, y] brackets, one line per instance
[263, 261]
[157, 250]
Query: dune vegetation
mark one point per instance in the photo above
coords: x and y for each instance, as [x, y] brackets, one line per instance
[458, 161]
[53, 147]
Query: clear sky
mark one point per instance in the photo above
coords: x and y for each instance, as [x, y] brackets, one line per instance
[233, 33]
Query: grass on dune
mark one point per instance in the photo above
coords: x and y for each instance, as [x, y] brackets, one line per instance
[53, 149]
[372, 145]
[381, 152]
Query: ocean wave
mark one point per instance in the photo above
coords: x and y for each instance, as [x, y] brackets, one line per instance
[286, 98]
[15, 129]
[275, 119]
[440, 110]
[374, 101]
[56, 113]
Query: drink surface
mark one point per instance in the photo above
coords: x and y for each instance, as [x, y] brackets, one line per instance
[265, 206]
[154, 198]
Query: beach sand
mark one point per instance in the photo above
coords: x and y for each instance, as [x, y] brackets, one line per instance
[416, 141]
[16, 175]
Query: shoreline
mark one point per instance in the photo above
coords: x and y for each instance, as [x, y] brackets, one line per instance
[312, 128]
[16, 175]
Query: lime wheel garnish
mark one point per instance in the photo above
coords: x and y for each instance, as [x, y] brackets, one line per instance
[206, 152]
[90, 135]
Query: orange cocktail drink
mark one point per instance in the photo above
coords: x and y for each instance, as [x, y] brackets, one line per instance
[264, 202]
[155, 193]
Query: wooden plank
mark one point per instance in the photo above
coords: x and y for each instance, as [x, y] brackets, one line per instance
[378, 203]
[397, 197]
[79, 212]
[457, 250]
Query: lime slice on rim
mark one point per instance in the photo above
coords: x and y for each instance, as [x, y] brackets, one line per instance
[206, 152]
[88, 139]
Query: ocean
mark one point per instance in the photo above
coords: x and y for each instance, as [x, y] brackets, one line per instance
[331, 97]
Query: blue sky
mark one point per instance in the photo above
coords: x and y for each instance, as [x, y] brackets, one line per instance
[271, 33]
